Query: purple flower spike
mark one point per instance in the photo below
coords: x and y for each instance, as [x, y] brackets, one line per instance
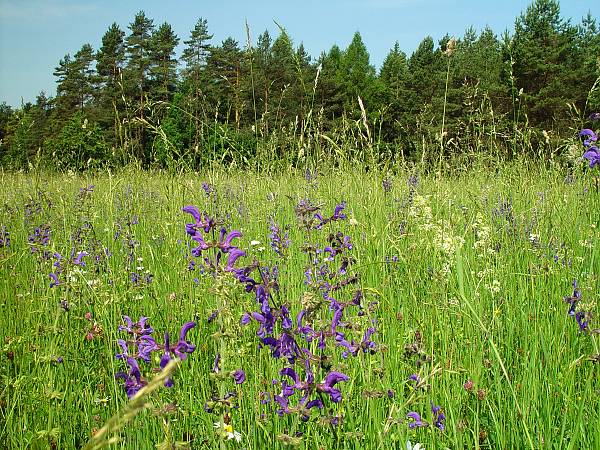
[146, 346]
[331, 380]
[234, 254]
[205, 223]
[316, 403]
[438, 416]
[590, 136]
[592, 155]
[183, 348]
[141, 328]
[573, 299]
[416, 420]
[133, 380]
[225, 241]
[581, 318]
[124, 349]
[245, 319]
[55, 281]
[78, 261]
[337, 213]
[239, 376]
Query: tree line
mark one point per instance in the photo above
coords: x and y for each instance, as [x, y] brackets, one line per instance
[132, 99]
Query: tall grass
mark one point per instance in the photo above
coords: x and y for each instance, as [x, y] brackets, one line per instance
[470, 268]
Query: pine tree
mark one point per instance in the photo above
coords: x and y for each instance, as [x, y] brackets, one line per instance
[163, 71]
[225, 69]
[110, 63]
[544, 57]
[329, 94]
[356, 75]
[197, 50]
[588, 73]
[394, 73]
[424, 68]
[261, 72]
[195, 55]
[76, 80]
[139, 52]
[283, 77]
[393, 78]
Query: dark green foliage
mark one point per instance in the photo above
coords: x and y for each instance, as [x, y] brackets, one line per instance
[78, 145]
[76, 82]
[195, 77]
[110, 63]
[545, 61]
[269, 99]
[164, 65]
[356, 75]
[225, 72]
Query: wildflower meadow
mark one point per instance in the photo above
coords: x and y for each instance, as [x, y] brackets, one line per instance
[326, 308]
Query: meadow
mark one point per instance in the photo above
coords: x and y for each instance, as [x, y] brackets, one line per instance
[354, 309]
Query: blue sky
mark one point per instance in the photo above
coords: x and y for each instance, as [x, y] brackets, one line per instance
[36, 34]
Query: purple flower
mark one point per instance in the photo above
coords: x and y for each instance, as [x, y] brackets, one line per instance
[337, 215]
[414, 377]
[316, 403]
[367, 344]
[266, 321]
[582, 321]
[592, 155]
[594, 116]
[234, 254]
[279, 243]
[589, 137]
[208, 189]
[140, 328]
[55, 281]
[204, 223]
[351, 347]
[413, 181]
[284, 346]
[245, 319]
[180, 350]
[183, 348]
[288, 389]
[416, 420]
[133, 379]
[225, 240]
[239, 376]
[438, 416]
[573, 299]
[146, 346]
[212, 316]
[78, 261]
[337, 212]
[327, 386]
[283, 405]
[124, 349]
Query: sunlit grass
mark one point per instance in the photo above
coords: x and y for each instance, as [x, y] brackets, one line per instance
[471, 269]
